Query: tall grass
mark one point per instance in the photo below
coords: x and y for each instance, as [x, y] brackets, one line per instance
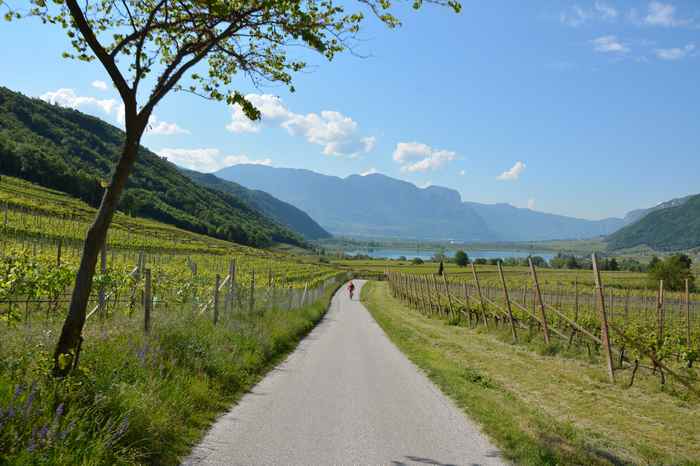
[135, 399]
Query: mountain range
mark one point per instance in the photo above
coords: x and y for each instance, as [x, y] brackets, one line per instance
[380, 206]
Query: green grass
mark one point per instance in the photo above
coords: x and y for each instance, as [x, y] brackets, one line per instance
[540, 407]
[136, 400]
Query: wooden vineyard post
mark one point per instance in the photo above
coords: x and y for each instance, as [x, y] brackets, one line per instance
[251, 300]
[481, 296]
[426, 289]
[603, 319]
[59, 246]
[217, 284]
[508, 307]
[660, 310]
[576, 306]
[102, 296]
[538, 293]
[466, 303]
[437, 294]
[687, 313]
[449, 297]
[147, 301]
[231, 286]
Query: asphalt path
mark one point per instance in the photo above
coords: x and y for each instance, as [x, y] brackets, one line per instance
[347, 395]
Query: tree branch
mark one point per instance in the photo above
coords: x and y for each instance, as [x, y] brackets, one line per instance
[107, 61]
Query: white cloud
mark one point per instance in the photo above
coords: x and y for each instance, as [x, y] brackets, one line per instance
[605, 10]
[576, 16]
[207, 159]
[337, 133]
[371, 171]
[418, 157]
[68, 98]
[101, 85]
[663, 14]
[531, 204]
[674, 53]
[514, 173]
[609, 44]
[462, 172]
[163, 128]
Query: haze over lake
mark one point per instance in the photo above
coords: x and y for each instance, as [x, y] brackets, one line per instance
[428, 254]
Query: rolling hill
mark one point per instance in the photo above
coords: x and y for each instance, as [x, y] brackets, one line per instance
[671, 228]
[380, 206]
[69, 151]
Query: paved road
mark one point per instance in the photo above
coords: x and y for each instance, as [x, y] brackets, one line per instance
[345, 396]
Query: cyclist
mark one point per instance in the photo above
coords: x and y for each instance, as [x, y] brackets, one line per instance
[351, 289]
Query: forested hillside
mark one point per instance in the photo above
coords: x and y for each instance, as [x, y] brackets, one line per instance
[672, 228]
[282, 212]
[67, 150]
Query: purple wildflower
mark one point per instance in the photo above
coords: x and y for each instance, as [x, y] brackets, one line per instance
[18, 392]
[43, 432]
[68, 430]
[59, 412]
[32, 446]
[30, 400]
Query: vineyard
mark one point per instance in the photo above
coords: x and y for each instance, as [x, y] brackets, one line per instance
[41, 245]
[187, 320]
[626, 329]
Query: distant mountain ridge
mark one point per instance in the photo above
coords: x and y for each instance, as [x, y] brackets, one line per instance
[673, 225]
[636, 215]
[280, 211]
[380, 206]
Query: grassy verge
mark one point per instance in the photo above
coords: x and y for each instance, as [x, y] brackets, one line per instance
[542, 409]
[136, 400]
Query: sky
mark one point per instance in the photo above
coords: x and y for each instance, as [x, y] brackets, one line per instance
[581, 108]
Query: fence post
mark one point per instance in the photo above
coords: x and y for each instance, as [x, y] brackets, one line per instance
[449, 297]
[303, 296]
[147, 301]
[603, 319]
[510, 310]
[217, 284]
[481, 297]
[437, 294]
[660, 310]
[687, 312]
[467, 306]
[58, 252]
[251, 300]
[102, 298]
[231, 286]
[538, 293]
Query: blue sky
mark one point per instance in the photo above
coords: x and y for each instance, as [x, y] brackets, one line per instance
[587, 108]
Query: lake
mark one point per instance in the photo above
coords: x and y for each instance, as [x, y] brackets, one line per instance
[428, 254]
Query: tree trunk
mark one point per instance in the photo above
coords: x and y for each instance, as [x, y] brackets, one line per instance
[69, 341]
